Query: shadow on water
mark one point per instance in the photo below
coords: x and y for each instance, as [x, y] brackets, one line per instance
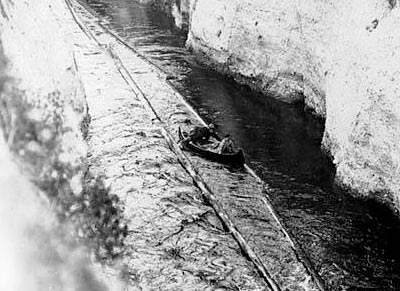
[352, 243]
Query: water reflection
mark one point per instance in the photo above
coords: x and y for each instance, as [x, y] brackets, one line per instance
[353, 244]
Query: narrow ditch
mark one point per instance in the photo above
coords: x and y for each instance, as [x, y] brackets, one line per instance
[350, 242]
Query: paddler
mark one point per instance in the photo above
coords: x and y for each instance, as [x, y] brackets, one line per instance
[202, 134]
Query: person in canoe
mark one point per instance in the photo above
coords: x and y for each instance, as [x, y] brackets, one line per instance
[226, 145]
[223, 151]
[202, 134]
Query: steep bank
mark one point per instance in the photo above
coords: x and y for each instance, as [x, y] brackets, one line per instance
[341, 58]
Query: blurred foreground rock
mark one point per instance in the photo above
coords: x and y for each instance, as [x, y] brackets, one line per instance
[43, 121]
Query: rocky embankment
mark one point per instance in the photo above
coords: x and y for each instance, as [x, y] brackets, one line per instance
[341, 58]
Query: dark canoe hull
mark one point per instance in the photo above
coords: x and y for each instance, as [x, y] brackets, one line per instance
[236, 158]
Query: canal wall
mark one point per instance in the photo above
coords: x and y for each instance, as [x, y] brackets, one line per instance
[341, 58]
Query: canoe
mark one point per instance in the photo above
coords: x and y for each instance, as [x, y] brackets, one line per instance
[236, 158]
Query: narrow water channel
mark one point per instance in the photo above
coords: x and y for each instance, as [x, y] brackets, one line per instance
[353, 244]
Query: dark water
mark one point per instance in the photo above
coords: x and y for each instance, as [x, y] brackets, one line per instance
[353, 244]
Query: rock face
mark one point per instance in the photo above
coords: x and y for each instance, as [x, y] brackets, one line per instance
[342, 58]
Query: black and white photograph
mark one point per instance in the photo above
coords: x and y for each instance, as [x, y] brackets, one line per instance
[199, 145]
